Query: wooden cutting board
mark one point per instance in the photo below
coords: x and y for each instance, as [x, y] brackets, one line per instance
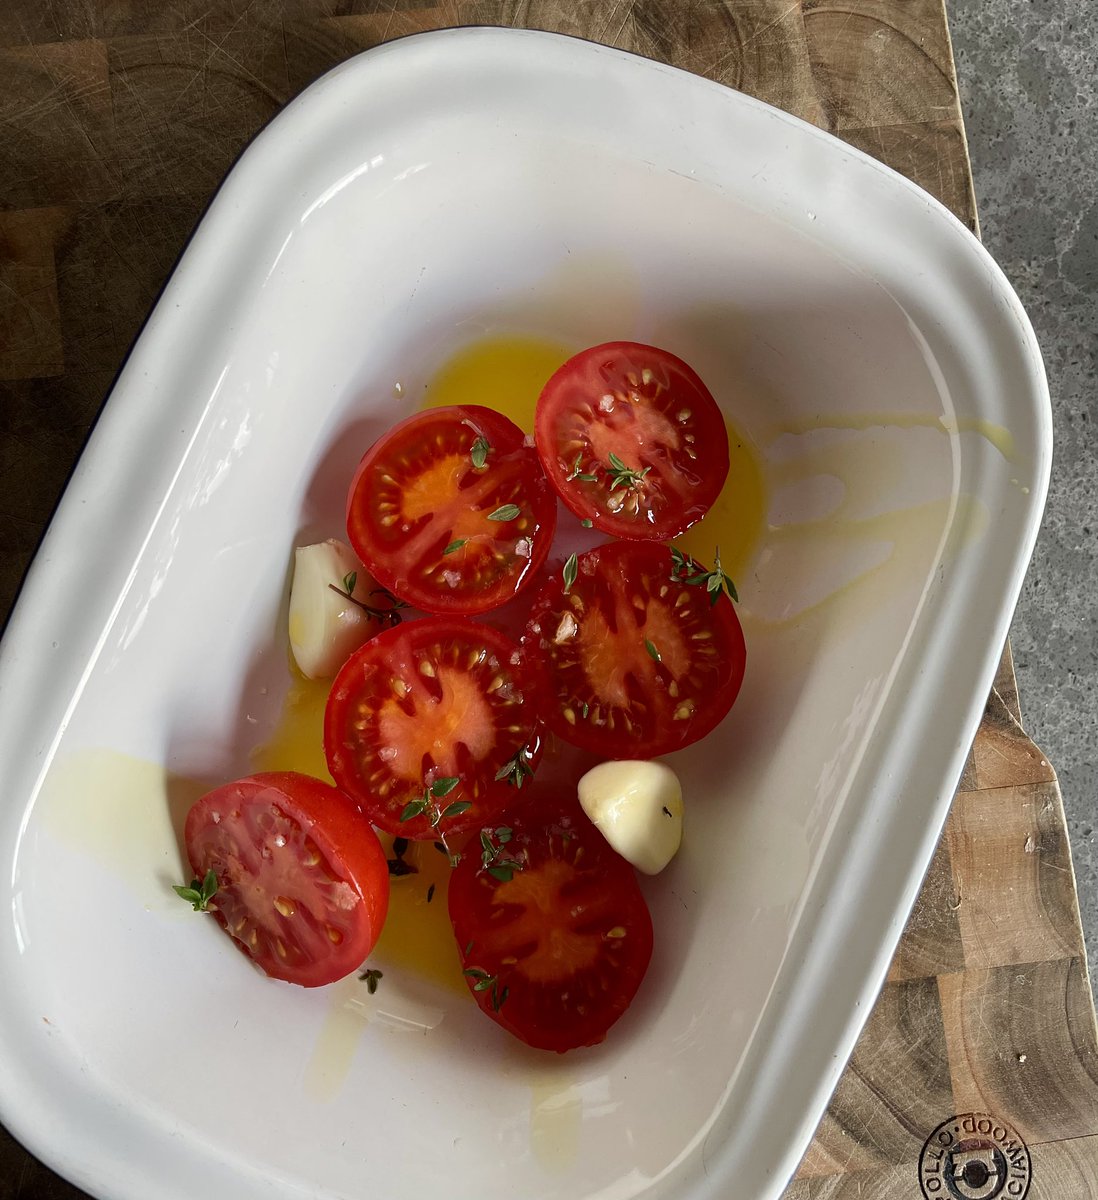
[119, 118]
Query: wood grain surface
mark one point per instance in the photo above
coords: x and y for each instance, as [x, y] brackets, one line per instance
[118, 120]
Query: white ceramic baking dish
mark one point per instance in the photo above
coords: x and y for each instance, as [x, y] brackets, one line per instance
[421, 194]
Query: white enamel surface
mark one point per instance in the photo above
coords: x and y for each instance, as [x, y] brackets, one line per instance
[413, 199]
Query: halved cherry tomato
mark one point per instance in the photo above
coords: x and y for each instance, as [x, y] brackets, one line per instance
[437, 699]
[637, 661]
[554, 946]
[632, 440]
[302, 882]
[451, 510]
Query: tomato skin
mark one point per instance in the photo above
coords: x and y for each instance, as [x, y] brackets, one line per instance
[651, 410]
[260, 835]
[653, 663]
[436, 698]
[555, 954]
[416, 493]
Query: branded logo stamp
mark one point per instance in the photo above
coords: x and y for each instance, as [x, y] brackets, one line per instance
[974, 1157]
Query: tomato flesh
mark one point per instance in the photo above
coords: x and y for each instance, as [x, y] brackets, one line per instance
[649, 411]
[555, 953]
[430, 523]
[302, 881]
[636, 662]
[434, 699]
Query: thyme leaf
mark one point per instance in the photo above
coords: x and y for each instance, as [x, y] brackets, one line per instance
[622, 476]
[371, 976]
[685, 569]
[478, 452]
[571, 569]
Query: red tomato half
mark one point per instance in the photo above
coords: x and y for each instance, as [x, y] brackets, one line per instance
[302, 882]
[556, 952]
[434, 699]
[439, 530]
[632, 440]
[637, 662]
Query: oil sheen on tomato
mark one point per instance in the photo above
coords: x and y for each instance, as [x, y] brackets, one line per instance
[416, 935]
[508, 373]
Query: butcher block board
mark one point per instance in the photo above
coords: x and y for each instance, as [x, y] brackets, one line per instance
[977, 1072]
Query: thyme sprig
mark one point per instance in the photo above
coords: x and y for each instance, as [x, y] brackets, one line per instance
[622, 476]
[428, 806]
[492, 851]
[485, 982]
[685, 569]
[517, 769]
[199, 892]
[578, 473]
[389, 613]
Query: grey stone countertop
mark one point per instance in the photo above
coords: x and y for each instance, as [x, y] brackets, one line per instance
[1029, 90]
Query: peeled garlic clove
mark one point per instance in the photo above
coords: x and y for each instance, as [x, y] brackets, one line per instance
[637, 806]
[324, 626]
